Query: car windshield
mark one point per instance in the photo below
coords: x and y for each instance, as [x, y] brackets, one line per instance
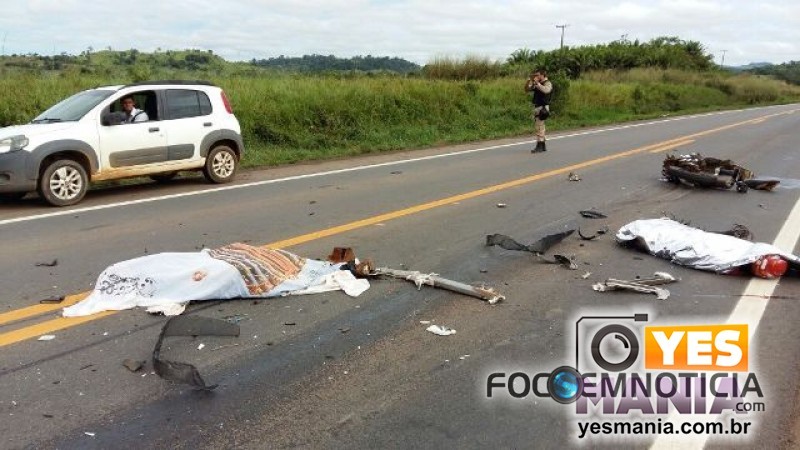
[73, 108]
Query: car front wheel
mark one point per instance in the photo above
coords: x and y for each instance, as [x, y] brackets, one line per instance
[63, 183]
[221, 164]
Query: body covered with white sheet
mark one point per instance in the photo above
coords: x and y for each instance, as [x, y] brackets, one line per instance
[696, 248]
[167, 282]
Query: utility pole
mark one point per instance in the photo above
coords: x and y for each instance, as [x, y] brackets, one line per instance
[563, 27]
[722, 64]
[5, 35]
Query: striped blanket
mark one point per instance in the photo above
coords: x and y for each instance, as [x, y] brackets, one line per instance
[261, 268]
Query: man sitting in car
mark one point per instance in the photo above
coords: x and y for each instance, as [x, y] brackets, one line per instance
[132, 114]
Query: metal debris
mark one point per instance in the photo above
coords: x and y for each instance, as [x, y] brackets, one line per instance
[188, 326]
[434, 280]
[46, 337]
[643, 285]
[501, 205]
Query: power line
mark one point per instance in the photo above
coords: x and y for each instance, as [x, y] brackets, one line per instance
[563, 27]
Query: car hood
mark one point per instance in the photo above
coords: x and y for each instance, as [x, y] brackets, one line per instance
[35, 129]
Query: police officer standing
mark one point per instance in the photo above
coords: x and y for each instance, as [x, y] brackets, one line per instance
[542, 90]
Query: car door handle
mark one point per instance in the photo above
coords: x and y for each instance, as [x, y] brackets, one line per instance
[153, 129]
[207, 124]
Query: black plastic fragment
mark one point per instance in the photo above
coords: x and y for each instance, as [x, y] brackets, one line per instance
[188, 326]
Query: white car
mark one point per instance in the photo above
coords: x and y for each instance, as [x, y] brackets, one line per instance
[187, 125]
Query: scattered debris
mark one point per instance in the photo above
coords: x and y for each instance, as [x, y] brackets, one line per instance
[425, 322]
[133, 365]
[501, 205]
[538, 248]
[592, 214]
[573, 177]
[586, 275]
[290, 324]
[344, 330]
[644, 285]
[396, 172]
[440, 330]
[236, 318]
[566, 262]
[89, 433]
[52, 263]
[597, 234]
[201, 346]
[434, 280]
[46, 337]
[224, 346]
[188, 326]
[86, 366]
[738, 231]
[696, 170]
[53, 299]
[692, 247]
[48, 416]
[342, 255]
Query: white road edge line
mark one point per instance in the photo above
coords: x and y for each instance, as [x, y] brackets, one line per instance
[749, 310]
[352, 169]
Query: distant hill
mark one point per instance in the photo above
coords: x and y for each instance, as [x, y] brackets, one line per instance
[142, 65]
[322, 63]
[788, 72]
[751, 66]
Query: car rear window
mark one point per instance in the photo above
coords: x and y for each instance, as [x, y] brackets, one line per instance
[182, 103]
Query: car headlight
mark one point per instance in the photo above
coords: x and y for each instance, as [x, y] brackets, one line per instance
[13, 143]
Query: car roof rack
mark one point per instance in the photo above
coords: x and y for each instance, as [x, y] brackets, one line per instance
[184, 82]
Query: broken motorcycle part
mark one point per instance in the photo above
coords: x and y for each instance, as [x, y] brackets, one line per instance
[643, 285]
[699, 171]
[432, 279]
[538, 247]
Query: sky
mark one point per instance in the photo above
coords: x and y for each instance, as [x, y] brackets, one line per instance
[420, 31]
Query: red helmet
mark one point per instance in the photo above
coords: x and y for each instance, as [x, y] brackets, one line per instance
[770, 266]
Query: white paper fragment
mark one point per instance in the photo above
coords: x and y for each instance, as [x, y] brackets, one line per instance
[441, 330]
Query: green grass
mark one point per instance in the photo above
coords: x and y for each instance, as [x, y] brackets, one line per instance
[289, 118]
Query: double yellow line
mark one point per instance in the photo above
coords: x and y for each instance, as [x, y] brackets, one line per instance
[60, 323]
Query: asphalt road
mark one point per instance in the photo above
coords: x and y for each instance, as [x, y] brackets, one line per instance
[363, 372]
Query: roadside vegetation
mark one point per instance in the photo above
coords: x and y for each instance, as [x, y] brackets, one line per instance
[289, 116]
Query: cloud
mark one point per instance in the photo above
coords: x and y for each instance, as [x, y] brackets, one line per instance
[413, 29]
